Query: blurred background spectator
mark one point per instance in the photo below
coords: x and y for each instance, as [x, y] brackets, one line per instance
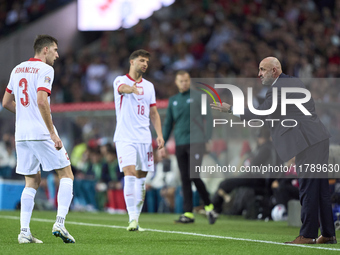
[161, 185]
[207, 38]
[7, 156]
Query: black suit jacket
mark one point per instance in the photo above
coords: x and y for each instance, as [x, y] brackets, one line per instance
[290, 141]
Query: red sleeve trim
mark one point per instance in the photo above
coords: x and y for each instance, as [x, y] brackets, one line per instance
[151, 105]
[44, 89]
[8, 90]
[121, 102]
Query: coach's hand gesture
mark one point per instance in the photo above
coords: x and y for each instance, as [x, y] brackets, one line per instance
[222, 108]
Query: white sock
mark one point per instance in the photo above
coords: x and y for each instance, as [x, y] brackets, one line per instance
[129, 196]
[140, 195]
[65, 195]
[27, 205]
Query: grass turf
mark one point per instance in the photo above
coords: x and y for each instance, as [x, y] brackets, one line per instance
[178, 238]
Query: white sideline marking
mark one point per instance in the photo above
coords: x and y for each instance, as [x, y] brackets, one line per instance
[177, 232]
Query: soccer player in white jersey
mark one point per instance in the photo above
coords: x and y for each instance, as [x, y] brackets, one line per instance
[135, 103]
[37, 140]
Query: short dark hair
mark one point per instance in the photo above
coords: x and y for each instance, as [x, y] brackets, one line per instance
[42, 41]
[182, 72]
[141, 53]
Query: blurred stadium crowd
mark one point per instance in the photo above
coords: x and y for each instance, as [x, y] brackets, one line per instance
[14, 15]
[210, 39]
[207, 38]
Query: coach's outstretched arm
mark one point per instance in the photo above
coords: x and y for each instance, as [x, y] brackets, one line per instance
[156, 122]
[222, 108]
[45, 112]
[8, 102]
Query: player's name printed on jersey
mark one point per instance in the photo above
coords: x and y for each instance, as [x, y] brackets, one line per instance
[26, 70]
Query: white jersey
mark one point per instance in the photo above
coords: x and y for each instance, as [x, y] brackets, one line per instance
[133, 111]
[26, 80]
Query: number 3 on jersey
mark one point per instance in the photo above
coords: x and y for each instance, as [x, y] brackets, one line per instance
[24, 101]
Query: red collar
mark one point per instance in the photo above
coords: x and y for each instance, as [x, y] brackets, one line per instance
[35, 59]
[127, 75]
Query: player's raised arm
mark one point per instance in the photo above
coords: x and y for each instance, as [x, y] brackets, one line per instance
[156, 122]
[8, 102]
[126, 89]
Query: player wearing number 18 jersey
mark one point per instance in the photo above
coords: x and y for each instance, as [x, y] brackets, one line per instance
[37, 140]
[133, 110]
[135, 103]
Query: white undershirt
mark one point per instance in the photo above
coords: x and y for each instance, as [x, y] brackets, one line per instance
[275, 81]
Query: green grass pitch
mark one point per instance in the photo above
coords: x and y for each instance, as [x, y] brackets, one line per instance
[102, 233]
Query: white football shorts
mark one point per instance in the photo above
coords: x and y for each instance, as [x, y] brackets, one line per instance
[30, 154]
[137, 154]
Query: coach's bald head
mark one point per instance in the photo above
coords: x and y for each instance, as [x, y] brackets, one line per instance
[269, 70]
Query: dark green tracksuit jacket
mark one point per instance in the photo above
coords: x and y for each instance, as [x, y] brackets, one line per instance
[184, 113]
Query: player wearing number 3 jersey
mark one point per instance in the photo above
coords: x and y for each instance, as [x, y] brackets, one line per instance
[135, 103]
[26, 80]
[37, 140]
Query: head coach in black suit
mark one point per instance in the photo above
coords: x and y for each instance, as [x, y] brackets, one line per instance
[308, 140]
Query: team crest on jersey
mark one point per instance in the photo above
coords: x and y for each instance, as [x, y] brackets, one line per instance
[140, 90]
[120, 160]
[47, 79]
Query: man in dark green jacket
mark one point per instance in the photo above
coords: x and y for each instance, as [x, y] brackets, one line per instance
[192, 131]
